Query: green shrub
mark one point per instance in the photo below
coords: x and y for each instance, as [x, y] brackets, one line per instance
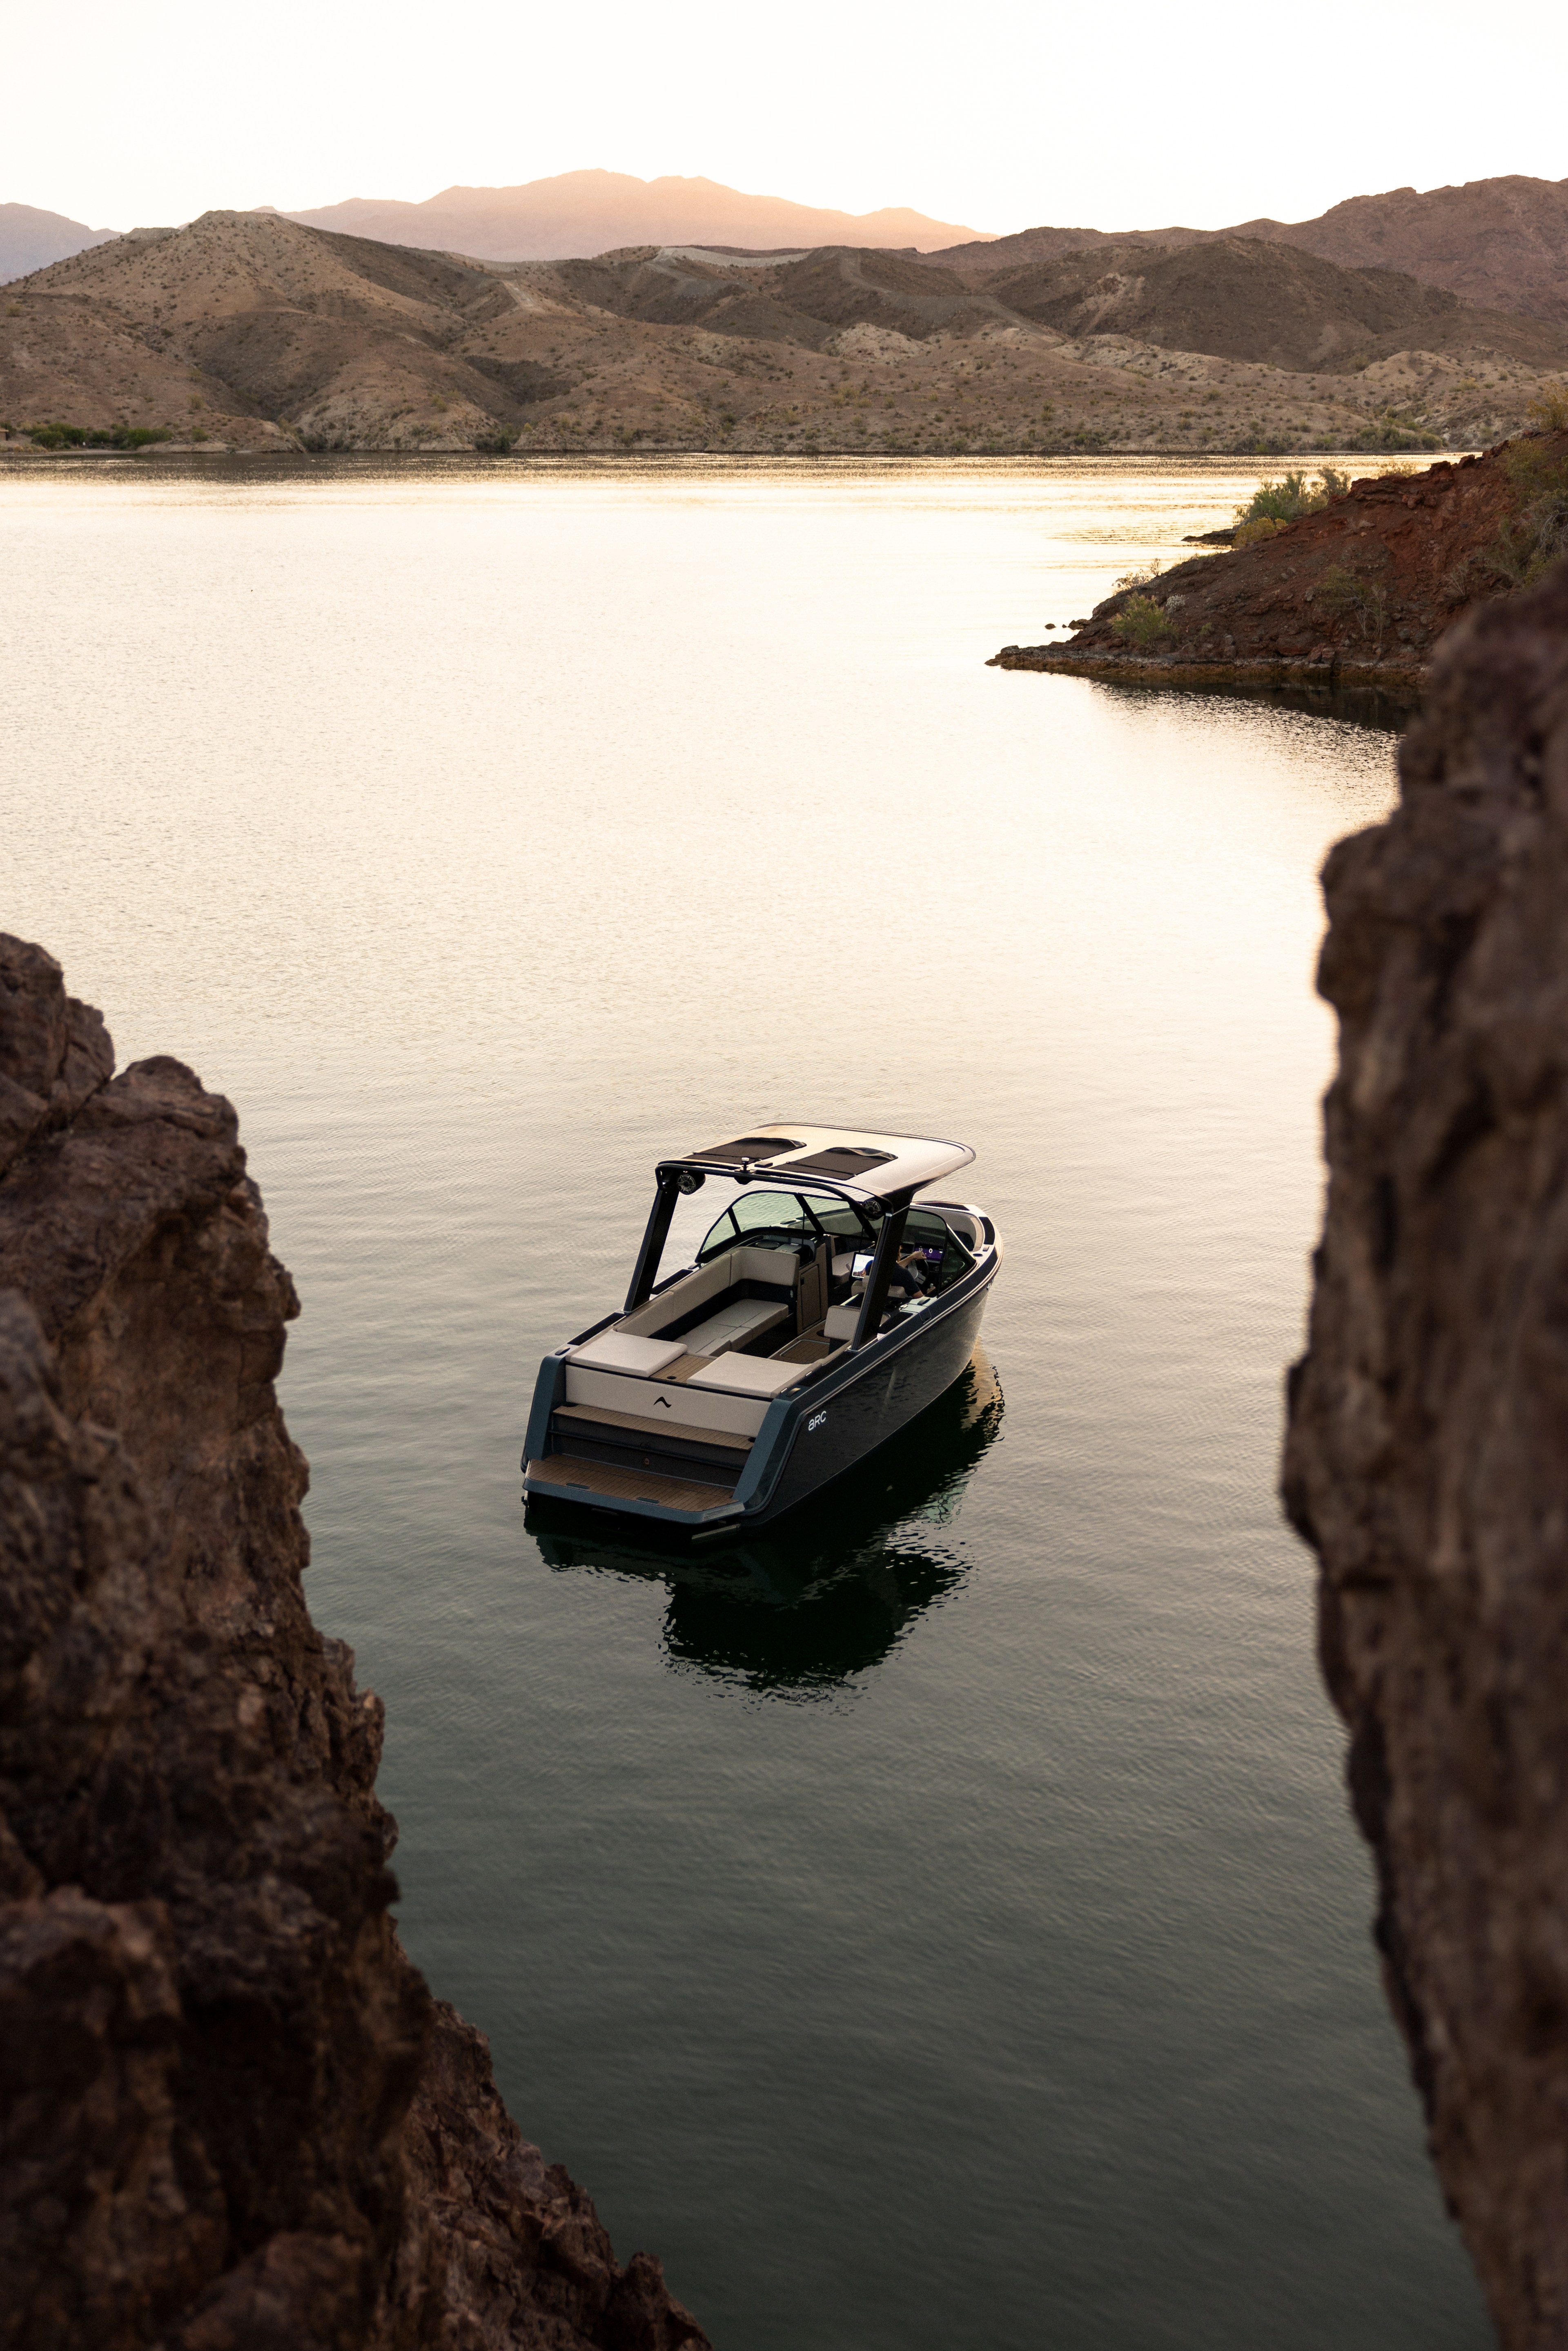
[1351, 596]
[1141, 622]
[1533, 536]
[1394, 430]
[1550, 413]
[59, 435]
[1278, 503]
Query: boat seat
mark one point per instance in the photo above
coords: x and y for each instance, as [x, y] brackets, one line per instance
[616, 1351]
[843, 1322]
[733, 1326]
[759, 1376]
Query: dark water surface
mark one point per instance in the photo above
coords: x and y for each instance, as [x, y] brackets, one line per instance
[937, 1924]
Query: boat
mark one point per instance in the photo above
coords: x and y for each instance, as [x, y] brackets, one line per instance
[831, 1301]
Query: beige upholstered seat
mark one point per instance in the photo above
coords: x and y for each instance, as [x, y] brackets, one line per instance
[733, 1325]
[843, 1322]
[614, 1351]
[753, 1374]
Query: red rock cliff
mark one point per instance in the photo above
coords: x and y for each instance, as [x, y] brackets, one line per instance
[1428, 1451]
[232, 2117]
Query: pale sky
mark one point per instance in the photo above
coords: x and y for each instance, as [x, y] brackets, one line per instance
[1139, 114]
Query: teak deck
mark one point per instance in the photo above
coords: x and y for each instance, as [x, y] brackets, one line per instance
[572, 1476]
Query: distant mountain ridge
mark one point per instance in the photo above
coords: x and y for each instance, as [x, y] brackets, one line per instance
[575, 215]
[1501, 244]
[31, 239]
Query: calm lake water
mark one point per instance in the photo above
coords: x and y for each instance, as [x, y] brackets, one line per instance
[939, 1925]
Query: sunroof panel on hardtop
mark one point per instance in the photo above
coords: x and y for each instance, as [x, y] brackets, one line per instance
[841, 1159]
[749, 1146]
[874, 1165]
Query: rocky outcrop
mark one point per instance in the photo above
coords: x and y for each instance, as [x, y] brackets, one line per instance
[232, 2117]
[1428, 1451]
[1357, 592]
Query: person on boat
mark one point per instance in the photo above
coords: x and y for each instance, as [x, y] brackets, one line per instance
[908, 1275]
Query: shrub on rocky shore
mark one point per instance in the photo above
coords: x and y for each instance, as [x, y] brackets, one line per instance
[1274, 503]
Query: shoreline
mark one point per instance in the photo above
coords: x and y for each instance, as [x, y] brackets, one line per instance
[1330, 676]
[1354, 590]
[1196, 462]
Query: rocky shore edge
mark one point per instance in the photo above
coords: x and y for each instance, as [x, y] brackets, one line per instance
[233, 2118]
[1355, 593]
[1326, 672]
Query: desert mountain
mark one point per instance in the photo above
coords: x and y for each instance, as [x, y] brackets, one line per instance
[1499, 241]
[248, 330]
[1243, 297]
[31, 239]
[590, 212]
[1501, 244]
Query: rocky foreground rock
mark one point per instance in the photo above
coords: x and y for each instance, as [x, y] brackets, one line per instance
[1428, 1451]
[1357, 592]
[232, 2116]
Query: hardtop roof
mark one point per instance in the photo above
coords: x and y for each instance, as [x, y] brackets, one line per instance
[857, 1162]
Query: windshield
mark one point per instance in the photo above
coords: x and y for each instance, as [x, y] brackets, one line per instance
[799, 1215]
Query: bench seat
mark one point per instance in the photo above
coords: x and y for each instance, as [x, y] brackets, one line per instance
[734, 1326]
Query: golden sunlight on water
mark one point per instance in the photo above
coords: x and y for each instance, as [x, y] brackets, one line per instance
[949, 1905]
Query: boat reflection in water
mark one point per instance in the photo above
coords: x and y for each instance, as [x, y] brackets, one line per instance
[798, 1612]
